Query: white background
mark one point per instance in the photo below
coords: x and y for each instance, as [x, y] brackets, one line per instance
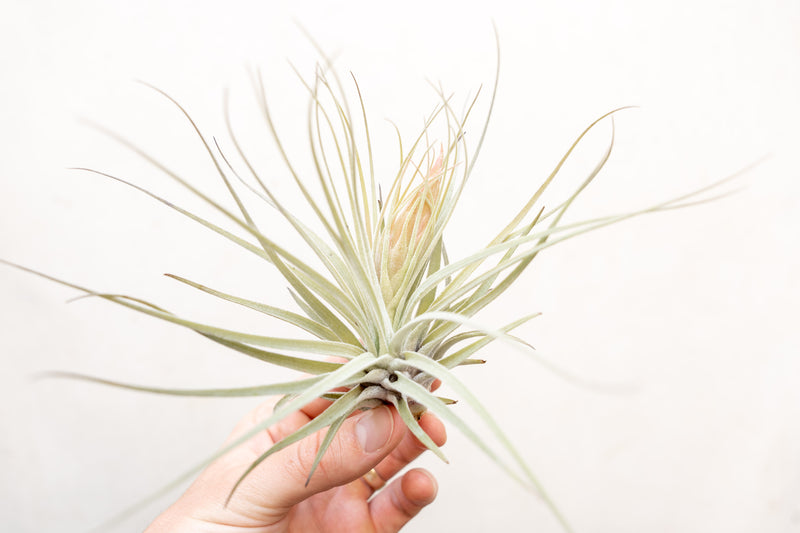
[697, 308]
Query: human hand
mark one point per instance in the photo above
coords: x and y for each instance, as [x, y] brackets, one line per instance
[369, 448]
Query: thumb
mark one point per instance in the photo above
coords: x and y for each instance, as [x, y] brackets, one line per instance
[360, 444]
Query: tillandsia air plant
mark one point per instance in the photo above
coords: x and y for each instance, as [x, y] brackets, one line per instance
[384, 301]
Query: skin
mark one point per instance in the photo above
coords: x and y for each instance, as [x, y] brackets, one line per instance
[274, 498]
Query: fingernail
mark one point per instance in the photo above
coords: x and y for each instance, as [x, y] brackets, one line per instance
[434, 484]
[374, 429]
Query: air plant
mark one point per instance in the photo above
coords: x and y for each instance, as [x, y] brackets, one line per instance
[385, 301]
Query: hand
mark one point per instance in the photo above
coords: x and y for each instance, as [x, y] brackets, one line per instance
[339, 497]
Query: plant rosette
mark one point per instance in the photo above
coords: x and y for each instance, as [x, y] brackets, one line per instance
[386, 313]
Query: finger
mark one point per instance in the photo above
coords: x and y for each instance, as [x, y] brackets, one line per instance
[279, 430]
[402, 500]
[316, 407]
[410, 447]
[263, 440]
[361, 443]
[295, 421]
